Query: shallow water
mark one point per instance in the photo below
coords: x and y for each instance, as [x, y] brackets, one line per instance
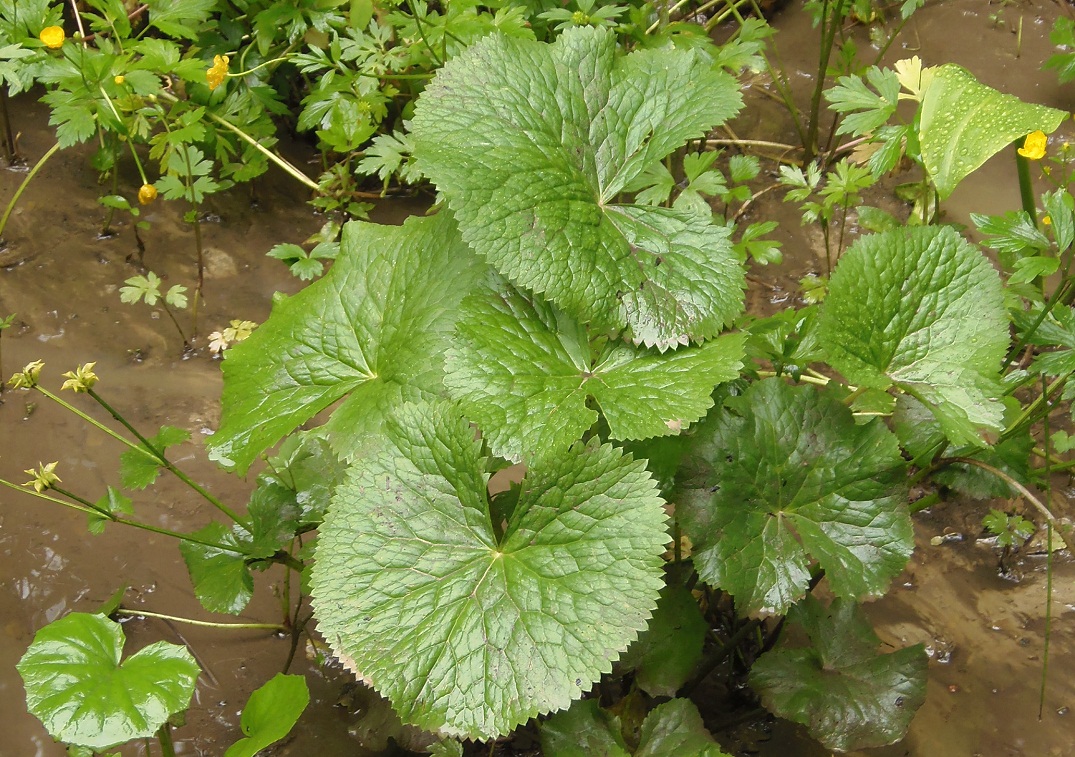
[986, 630]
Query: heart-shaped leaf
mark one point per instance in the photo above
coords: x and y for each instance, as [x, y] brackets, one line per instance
[848, 695]
[789, 478]
[963, 123]
[532, 144]
[373, 330]
[77, 686]
[471, 627]
[524, 372]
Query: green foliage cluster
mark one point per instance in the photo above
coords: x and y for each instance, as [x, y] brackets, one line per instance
[690, 475]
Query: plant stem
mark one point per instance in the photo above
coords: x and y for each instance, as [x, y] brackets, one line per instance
[710, 663]
[279, 161]
[159, 455]
[831, 15]
[34, 493]
[92, 421]
[164, 736]
[1026, 189]
[1041, 508]
[9, 134]
[202, 623]
[25, 183]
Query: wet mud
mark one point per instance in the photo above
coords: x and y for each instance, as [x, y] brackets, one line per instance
[983, 625]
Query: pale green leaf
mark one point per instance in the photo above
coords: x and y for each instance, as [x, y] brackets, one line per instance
[270, 713]
[532, 144]
[787, 480]
[78, 687]
[922, 309]
[848, 695]
[373, 330]
[467, 631]
[525, 372]
[963, 123]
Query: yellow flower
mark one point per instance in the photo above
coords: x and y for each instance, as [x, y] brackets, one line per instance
[52, 36]
[27, 378]
[216, 75]
[81, 379]
[119, 79]
[1047, 221]
[147, 193]
[1034, 145]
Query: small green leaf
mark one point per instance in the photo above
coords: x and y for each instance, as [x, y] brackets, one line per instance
[584, 730]
[138, 468]
[373, 330]
[77, 686]
[963, 123]
[676, 728]
[665, 655]
[270, 714]
[922, 309]
[791, 479]
[114, 502]
[222, 582]
[535, 172]
[467, 631]
[524, 372]
[849, 696]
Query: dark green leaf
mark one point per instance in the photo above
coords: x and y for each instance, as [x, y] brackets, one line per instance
[790, 479]
[222, 582]
[849, 696]
[666, 653]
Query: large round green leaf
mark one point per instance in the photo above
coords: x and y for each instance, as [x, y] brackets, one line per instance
[465, 630]
[532, 144]
[786, 478]
[77, 686]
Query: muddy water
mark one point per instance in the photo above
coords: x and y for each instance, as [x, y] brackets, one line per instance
[985, 631]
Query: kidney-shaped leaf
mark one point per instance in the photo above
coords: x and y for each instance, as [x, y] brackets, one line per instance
[848, 695]
[524, 372]
[270, 714]
[77, 686]
[964, 123]
[922, 308]
[465, 631]
[374, 328]
[789, 479]
[531, 144]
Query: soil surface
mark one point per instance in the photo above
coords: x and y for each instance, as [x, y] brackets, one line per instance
[983, 623]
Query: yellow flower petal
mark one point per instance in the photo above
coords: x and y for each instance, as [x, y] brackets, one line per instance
[216, 75]
[147, 193]
[1034, 145]
[52, 36]
[119, 79]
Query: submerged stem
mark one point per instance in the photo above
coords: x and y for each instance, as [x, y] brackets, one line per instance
[25, 183]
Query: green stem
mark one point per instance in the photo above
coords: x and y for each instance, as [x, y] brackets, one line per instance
[159, 455]
[1026, 189]
[202, 623]
[25, 182]
[1056, 297]
[422, 33]
[831, 15]
[1041, 508]
[92, 421]
[283, 164]
[927, 501]
[34, 493]
[164, 736]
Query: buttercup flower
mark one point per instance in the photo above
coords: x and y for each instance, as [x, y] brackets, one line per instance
[44, 477]
[52, 36]
[81, 379]
[1034, 146]
[27, 379]
[216, 75]
[119, 79]
[147, 193]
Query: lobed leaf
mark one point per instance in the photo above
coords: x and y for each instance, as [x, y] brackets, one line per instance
[467, 631]
[525, 372]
